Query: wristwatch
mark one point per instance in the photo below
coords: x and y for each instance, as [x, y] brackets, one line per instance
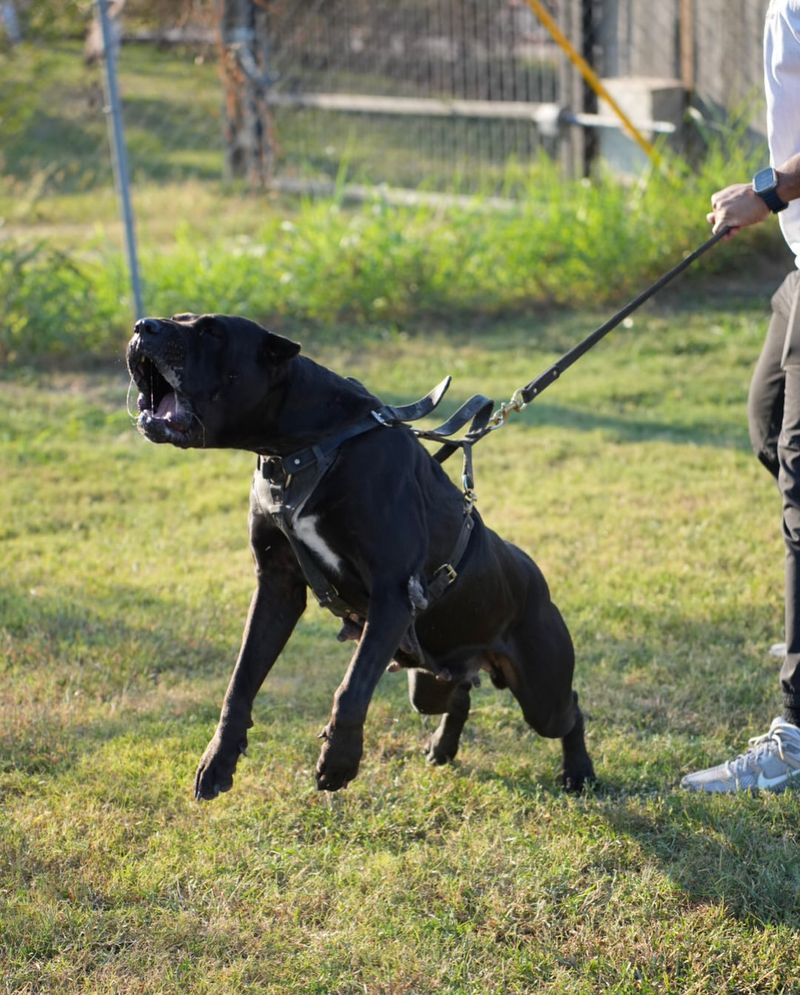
[765, 184]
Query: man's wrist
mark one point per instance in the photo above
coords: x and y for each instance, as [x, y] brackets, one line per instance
[765, 186]
[788, 188]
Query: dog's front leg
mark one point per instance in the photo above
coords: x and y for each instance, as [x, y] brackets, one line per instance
[277, 604]
[388, 618]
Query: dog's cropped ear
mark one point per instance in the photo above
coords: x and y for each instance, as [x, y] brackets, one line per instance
[276, 349]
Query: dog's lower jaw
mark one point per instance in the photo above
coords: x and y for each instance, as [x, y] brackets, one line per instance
[159, 430]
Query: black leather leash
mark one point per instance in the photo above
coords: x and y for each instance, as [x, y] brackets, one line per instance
[524, 395]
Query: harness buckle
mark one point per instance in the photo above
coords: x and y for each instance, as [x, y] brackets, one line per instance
[330, 599]
[448, 571]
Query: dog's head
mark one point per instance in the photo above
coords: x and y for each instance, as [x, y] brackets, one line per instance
[198, 375]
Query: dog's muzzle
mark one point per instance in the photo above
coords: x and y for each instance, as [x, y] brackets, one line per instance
[155, 362]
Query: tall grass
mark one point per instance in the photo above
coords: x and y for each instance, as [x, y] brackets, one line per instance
[63, 290]
[62, 282]
[53, 304]
[316, 261]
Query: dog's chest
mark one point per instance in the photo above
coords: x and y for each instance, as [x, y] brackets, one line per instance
[304, 527]
[307, 532]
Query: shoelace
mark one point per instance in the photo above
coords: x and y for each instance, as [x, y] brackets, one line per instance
[758, 746]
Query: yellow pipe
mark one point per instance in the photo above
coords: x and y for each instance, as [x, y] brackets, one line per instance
[592, 78]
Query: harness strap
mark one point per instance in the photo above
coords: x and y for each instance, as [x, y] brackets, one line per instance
[325, 592]
[448, 572]
[316, 454]
[418, 409]
[328, 596]
[478, 408]
[309, 465]
[386, 415]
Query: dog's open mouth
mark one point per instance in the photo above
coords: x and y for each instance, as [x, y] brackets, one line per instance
[165, 414]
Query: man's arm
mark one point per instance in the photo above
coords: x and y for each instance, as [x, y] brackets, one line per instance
[738, 206]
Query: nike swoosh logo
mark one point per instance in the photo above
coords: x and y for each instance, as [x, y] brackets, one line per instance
[771, 782]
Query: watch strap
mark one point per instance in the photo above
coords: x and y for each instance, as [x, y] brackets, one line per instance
[772, 200]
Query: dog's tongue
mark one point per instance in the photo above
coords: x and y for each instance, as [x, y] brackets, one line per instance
[168, 406]
[170, 410]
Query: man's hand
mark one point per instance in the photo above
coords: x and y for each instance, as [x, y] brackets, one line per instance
[736, 207]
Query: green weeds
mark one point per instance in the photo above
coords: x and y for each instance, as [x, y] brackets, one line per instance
[309, 262]
[321, 263]
[56, 306]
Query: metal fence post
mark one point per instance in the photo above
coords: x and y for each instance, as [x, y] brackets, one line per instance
[571, 146]
[119, 156]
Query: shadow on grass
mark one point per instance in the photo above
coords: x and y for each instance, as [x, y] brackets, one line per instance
[82, 675]
[646, 699]
[30, 152]
[128, 625]
[737, 852]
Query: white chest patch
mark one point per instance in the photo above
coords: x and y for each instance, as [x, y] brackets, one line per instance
[305, 528]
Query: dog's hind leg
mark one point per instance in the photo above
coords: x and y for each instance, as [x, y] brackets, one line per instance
[451, 700]
[538, 670]
[577, 769]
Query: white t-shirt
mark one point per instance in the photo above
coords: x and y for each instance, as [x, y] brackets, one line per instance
[782, 86]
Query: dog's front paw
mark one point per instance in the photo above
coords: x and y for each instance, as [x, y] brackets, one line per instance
[441, 750]
[339, 758]
[216, 767]
[577, 775]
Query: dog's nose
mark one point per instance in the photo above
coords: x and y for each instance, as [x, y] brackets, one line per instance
[145, 326]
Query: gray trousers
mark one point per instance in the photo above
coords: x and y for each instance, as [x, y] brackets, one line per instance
[774, 420]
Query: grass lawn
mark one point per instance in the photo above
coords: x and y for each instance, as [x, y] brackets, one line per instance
[125, 577]
[125, 580]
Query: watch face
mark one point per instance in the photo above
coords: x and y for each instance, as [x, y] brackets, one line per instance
[765, 180]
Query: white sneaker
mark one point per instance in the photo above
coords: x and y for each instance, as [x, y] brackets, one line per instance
[778, 649]
[771, 764]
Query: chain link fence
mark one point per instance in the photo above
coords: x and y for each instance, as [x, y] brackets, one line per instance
[370, 88]
[55, 158]
[437, 95]
[394, 92]
[419, 93]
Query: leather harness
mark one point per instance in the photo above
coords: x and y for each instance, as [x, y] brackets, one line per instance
[292, 479]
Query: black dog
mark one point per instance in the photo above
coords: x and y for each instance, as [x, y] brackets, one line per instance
[346, 500]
